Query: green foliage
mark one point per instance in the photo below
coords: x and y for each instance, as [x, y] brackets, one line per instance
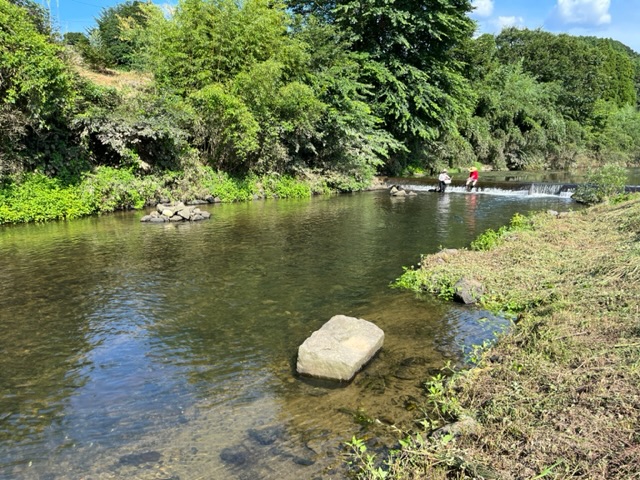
[38, 15]
[440, 399]
[284, 187]
[36, 91]
[409, 280]
[487, 240]
[516, 122]
[414, 279]
[365, 463]
[615, 136]
[490, 238]
[414, 84]
[37, 198]
[602, 184]
[109, 189]
[225, 129]
[418, 90]
[211, 42]
[108, 45]
[144, 132]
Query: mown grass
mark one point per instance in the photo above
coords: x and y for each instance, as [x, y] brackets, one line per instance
[559, 395]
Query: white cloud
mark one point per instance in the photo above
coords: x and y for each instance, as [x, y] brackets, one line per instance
[584, 12]
[482, 8]
[506, 22]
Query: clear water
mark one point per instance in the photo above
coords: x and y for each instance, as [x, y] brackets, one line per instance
[134, 350]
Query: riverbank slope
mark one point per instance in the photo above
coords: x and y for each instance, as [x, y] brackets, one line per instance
[558, 396]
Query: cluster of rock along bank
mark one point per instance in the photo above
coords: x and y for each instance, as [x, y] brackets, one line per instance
[178, 212]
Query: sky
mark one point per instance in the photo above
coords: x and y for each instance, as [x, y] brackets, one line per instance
[617, 19]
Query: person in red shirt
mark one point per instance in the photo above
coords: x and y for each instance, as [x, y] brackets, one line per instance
[472, 179]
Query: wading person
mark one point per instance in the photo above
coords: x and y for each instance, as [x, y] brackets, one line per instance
[443, 180]
[472, 179]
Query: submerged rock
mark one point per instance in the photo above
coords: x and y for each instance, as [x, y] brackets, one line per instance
[137, 459]
[234, 456]
[267, 435]
[340, 348]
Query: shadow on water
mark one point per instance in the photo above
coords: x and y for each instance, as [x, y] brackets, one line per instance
[167, 351]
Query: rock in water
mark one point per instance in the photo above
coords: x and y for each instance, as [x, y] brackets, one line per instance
[340, 348]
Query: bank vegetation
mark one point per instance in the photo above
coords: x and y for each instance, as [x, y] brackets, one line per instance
[152, 104]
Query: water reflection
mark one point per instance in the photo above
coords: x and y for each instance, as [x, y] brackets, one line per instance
[152, 351]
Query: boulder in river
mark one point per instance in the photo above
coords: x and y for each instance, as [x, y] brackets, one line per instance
[340, 348]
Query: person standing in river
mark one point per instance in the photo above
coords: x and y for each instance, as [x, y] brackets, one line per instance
[443, 180]
[472, 179]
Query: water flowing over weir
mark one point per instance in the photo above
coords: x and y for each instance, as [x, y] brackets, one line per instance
[533, 184]
[490, 187]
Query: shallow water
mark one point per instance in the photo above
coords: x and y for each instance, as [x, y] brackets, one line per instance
[134, 350]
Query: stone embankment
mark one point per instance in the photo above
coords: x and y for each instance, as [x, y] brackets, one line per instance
[178, 212]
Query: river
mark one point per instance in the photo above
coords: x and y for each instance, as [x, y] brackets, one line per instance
[134, 350]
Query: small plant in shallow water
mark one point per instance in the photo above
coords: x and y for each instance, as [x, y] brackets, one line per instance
[365, 463]
[410, 279]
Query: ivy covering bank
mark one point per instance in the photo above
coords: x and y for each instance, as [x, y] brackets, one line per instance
[38, 198]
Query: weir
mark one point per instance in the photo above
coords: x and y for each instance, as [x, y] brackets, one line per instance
[494, 187]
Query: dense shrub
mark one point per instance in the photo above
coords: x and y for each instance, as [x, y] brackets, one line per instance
[602, 184]
[37, 198]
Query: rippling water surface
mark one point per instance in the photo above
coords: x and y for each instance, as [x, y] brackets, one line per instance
[135, 350]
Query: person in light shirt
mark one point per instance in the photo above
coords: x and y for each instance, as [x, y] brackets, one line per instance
[443, 180]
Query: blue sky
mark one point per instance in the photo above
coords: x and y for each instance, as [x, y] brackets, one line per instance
[617, 19]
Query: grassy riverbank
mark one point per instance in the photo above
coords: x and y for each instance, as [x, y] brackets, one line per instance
[558, 396]
[37, 198]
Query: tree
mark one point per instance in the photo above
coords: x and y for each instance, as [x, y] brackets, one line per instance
[417, 87]
[36, 89]
[516, 123]
[109, 42]
[38, 15]
[587, 71]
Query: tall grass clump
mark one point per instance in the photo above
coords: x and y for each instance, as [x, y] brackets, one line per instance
[491, 238]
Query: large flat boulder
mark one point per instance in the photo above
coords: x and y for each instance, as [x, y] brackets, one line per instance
[340, 348]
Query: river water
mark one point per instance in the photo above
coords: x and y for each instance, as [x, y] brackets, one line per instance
[134, 350]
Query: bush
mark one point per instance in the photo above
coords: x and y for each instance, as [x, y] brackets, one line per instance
[37, 198]
[109, 189]
[602, 184]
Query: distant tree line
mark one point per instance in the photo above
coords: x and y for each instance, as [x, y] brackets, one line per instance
[338, 89]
